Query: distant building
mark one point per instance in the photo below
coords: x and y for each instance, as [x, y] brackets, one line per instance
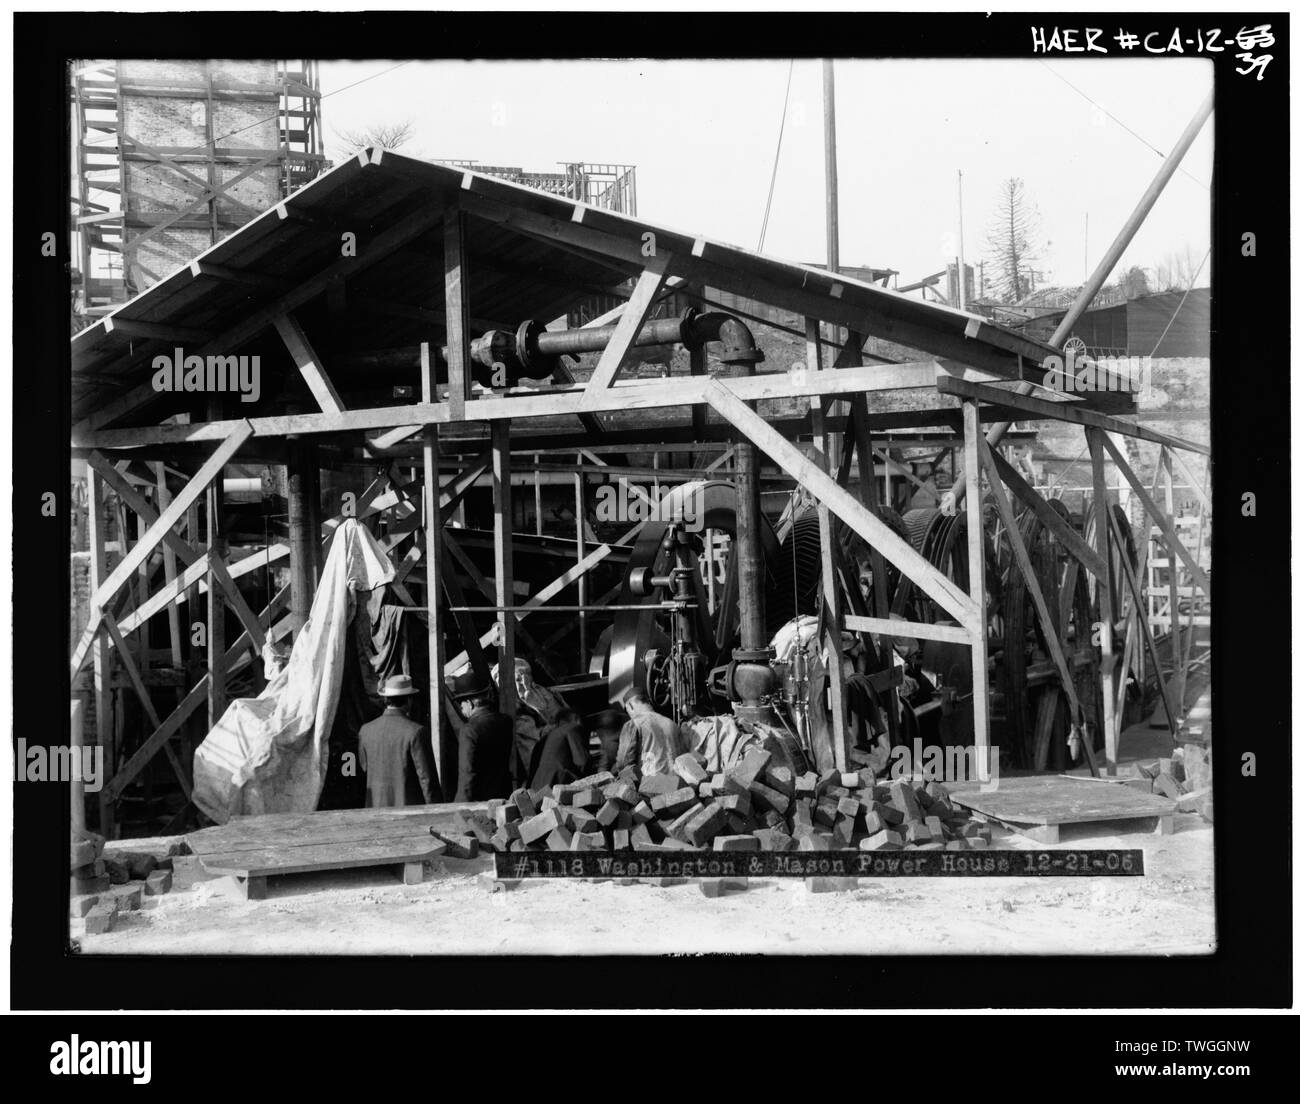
[1138, 327]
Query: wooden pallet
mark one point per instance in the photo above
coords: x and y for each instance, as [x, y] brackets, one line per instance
[1039, 807]
[258, 847]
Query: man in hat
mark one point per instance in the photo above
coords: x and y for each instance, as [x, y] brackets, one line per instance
[395, 752]
[486, 739]
[649, 741]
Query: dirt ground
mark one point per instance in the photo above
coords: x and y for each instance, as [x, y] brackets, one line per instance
[1169, 911]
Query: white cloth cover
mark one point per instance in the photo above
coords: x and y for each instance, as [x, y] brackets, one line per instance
[269, 754]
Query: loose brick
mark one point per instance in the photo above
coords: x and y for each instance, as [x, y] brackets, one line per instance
[1165, 786]
[814, 841]
[90, 885]
[803, 813]
[781, 779]
[736, 802]
[903, 798]
[549, 802]
[821, 884]
[466, 847]
[539, 826]
[582, 820]
[580, 842]
[690, 770]
[83, 852]
[882, 841]
[938, 791]
[915, 831]
[500, 840]
[875, 823]
[608, 814]
[99, 919]
[674, 803]
[843, 832]
[706, 789]
[642, 813]
[82, 904]
[622, 839]
[824, 814]
[94, 869]
[119, 873]
[621, 791]
[767, 798]
[706, 824]
[653, 785]
[851, 781]
[750, 767]
[806, 784]
[129, 897]
[935, 825]
[640, 837]
[523, 801]
[827, 779]
[848, 807]
[955, 845]
[560, 839]
[977, 843]
[507, 814]
[676, 829]
[736, 843]
[588, 799]
[738, 825]
[933, 845]
[773, 839]
[672, 843]
[773, 819]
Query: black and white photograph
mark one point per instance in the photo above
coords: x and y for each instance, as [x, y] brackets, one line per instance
[536, 503]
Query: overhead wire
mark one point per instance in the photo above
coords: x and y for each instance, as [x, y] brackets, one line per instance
[776, 159]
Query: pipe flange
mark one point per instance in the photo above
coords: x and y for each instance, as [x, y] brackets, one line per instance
[533, 363]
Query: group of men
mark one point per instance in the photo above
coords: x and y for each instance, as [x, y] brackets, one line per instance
[495, 756]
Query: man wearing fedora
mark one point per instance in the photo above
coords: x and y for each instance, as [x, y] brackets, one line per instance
[395, 752]
[485, 739]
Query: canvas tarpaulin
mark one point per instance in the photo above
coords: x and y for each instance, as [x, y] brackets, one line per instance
[269, 754]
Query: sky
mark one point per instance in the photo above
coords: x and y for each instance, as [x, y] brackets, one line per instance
[703, 136]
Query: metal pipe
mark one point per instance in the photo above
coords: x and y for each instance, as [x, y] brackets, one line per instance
[1113, 254]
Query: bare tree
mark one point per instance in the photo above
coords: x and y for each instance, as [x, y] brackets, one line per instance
[389, 135]
[1013, 243]
[1176, 271]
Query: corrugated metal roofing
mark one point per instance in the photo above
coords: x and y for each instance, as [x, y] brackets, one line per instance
[531, 255]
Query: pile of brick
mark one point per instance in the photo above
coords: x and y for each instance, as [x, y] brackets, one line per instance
[107, 883]
[1185, 777]
[759, 804]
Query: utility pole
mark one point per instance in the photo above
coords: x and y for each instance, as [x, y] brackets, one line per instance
[961, 249]
[832, 172]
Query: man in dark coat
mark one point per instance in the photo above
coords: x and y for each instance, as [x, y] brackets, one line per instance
[562, 754]
[395, 753]
[608, 726]
[486, 739]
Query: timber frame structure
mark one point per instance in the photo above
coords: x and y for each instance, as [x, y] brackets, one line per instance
[373, 275]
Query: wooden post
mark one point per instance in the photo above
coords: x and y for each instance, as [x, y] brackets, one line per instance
[443, 740]
[580, 525]
[216, 600]
[103, 693]
[76, 741]
[1176, 678]
[830, 576]
[300, 538]
[1101, 543]
[979, 651]
[456, 282]
[537, 493]
[503, 550]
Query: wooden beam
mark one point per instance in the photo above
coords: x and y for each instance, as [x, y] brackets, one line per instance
[979, 641]
[534, 403]
[1050, 631]
[1101, 539]
[166, 520]
[455, 270]
[304, 356]
[102, 693]
[1029, 406]
[221, 575]
[241, 276]
[1167, 527]
[443, 741]
[899, 629]
[635, 313]
[726, 401]
[155, 332]
[139, 504]
[503, 563]
[1059, 527]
